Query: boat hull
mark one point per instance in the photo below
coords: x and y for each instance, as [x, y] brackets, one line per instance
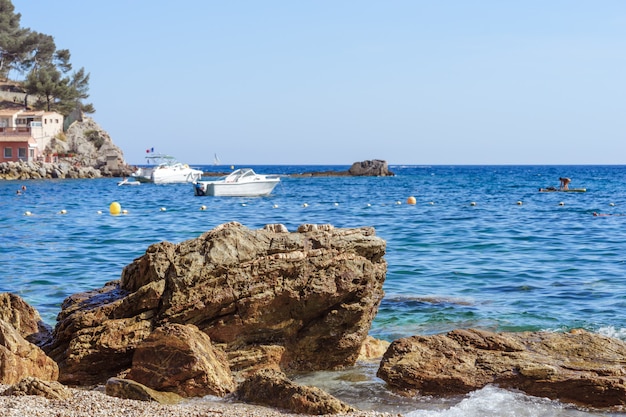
[245, 189]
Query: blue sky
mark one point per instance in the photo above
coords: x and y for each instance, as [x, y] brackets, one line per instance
[334, 82]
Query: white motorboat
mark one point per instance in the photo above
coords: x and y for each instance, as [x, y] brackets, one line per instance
[240, 183]
[164, 169]
[126, 182]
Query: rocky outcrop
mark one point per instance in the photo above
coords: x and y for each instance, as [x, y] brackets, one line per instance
[293, 301]
[20, 358]
[373, 168]
[45, 170]
[576, 367]
[25, 319]
[274, 389]
[94, 148]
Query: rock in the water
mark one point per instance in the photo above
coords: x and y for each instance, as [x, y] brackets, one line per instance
[577, 367]
[300, 301]
[373, 168]
[271, 388]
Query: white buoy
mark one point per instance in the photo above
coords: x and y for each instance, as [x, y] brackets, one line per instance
[561, 203]
[473, 203]
[63, 211]
[28, 213]
[519, 203]
[124, 211]
[612, 204]
[305, 205]
[99, 212]
[432, 203]
[398, 202]
[163, 209]
[336, 204]
[202, 207]
[275, 206]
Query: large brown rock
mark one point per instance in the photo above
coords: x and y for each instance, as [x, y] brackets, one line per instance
[577, 367]
[297, 301]
[274, 389]
[180, 358]
[24, 318]
[20, 358]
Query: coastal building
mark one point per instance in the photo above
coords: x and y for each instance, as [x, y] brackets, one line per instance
[24, 134]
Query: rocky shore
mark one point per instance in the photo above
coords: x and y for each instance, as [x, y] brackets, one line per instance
[95, 403]
[44, 170]
[235, 313]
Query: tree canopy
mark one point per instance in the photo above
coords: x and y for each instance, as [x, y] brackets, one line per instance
[47, 70]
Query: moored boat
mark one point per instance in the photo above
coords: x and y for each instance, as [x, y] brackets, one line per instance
[165, 169]
[242, 182]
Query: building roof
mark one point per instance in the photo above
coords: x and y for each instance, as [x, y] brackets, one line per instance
[16, 138]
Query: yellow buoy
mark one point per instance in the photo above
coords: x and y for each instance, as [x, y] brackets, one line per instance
[115, 208]
[411, 200]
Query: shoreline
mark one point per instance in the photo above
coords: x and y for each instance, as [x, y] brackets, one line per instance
[95, 403]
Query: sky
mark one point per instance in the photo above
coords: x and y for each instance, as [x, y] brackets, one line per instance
[332, 82]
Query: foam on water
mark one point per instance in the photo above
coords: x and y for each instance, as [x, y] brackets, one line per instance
[496, 402]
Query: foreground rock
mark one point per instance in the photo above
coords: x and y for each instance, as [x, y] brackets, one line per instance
[272, 388]
[267, 298]
[24, 318]
[180, 358]
[577, 367]
[20, 359]
[35, 386]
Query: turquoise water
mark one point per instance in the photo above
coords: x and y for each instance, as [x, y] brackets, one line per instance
[544, 264]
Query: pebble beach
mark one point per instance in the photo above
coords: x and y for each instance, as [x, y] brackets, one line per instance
[94, 403]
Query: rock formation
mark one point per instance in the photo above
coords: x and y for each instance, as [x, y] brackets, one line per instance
[373, 168]
[20, 358]
[274, 389]
[267, 298]
[576, 367]
[180, 358]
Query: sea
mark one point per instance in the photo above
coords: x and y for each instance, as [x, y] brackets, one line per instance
[480, 248]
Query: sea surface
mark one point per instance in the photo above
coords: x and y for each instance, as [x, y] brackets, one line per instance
[481, 248]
